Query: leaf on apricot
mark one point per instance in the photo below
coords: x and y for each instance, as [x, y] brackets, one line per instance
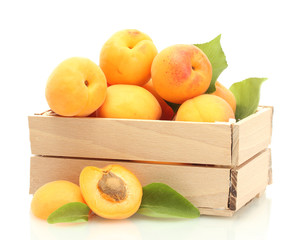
[160, 200]
[217, 58]
[247, 95]
[71, 212]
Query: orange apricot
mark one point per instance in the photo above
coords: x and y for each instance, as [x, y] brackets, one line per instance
[52, 196]
[127, 56]
[167, 112]
[226, 94]
[76, 87]
[181, 72]
[129, 101]
[205, 108]
[112, 192]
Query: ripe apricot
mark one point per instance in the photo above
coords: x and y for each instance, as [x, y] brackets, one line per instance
[127, 56]
[167, 112]
[181, 72]
[205, 108]
[226, 94]
[52, 196]
[112, 192]
[76, 87]
[129, 101]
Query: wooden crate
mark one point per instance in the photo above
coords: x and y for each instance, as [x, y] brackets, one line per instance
[219, 167]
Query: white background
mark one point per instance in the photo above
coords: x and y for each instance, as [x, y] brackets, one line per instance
[259, 38]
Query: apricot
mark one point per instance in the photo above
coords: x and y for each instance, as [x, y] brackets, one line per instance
[167, 112]
[52, 196]
[205, 108]
[129, 101]
[181, 72]
[127, 56]
[76, 87]
[226, 94]
[112, 192]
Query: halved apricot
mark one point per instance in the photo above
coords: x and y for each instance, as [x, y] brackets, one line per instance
[112, 192]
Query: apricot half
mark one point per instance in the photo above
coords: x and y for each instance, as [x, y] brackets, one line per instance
[112, 192]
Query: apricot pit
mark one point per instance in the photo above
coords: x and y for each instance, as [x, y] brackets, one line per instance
[112, 192]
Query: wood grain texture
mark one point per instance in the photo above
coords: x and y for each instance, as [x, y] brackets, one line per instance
[203, 186]
[166, 141]
[249, 180]
[251, 135]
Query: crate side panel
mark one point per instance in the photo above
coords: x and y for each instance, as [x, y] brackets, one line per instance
[165, 141]
[203, 186]
[249, 180]
[252, 135]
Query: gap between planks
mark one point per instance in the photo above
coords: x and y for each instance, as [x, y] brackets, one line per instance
[140, 161]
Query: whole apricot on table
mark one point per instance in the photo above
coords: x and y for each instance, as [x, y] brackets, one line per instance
[167, 111]
[76, 87]
[205, 108]
[129, 101]
[226, 94]
[52, 196]
[112, 192]
[181, 72]
[127, 56]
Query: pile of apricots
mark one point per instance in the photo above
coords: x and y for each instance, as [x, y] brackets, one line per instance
[132, 81]
[135, 81]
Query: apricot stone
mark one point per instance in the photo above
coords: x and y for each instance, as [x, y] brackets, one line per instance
[76, 87]
[129, 101]
[205, 108]
[112, 192]
[52, 196]
[181, 72]
[127, 56]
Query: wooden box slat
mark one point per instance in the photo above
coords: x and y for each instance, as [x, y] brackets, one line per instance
[220, 144]
[208, 188]
[165, 141]
[204, 186]
[251, 135]
[250, 179]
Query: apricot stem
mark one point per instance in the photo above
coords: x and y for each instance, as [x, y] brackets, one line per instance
[112, 186]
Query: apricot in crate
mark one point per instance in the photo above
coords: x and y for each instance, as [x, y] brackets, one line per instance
[129, 101]
[127, 56]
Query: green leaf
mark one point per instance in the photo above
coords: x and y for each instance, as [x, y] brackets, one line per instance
[217, 58]
[247, 94]
[160, 200]
[70, 212]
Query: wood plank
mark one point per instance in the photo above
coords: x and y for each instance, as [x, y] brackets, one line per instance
[205, 187]
[251, 135]
[166, 141]
[249, 179]
[216, 212]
